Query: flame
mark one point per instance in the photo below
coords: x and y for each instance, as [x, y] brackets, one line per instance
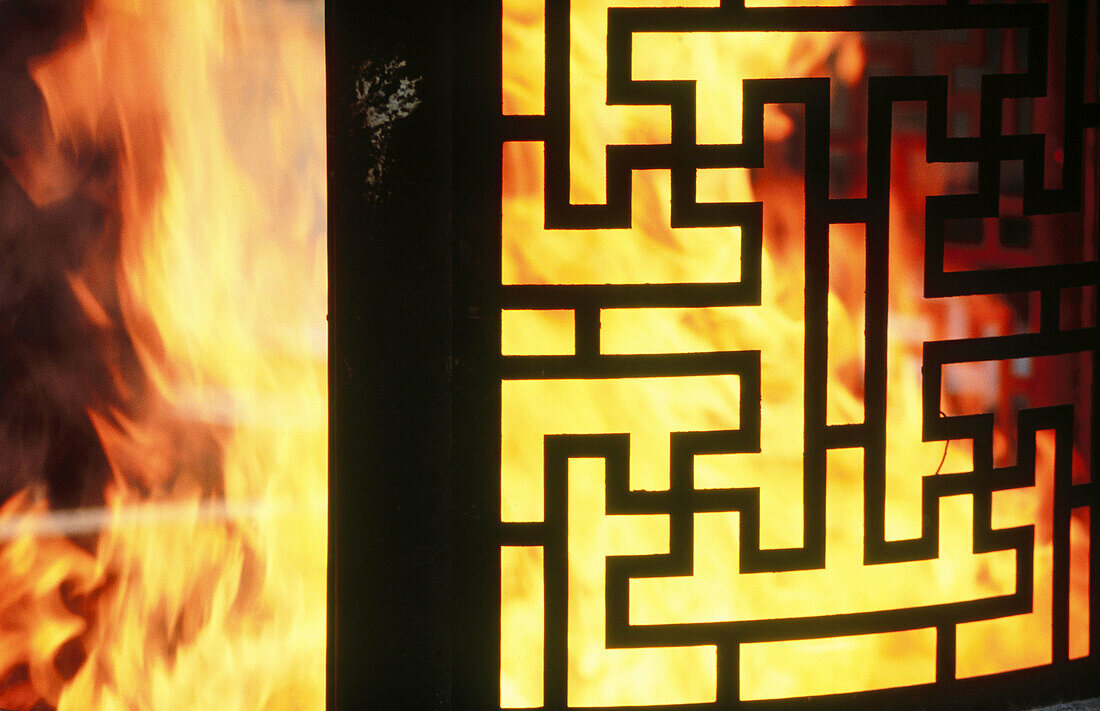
[204, 586]
[655, 251]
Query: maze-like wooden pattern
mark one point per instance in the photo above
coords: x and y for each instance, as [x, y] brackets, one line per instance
[798, 350]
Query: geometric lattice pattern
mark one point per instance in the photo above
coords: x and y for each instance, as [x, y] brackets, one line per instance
[798, 336]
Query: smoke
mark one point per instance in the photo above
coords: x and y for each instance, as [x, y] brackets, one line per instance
[58, 242]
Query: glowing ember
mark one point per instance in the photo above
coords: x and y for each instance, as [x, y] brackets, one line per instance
[201, 584]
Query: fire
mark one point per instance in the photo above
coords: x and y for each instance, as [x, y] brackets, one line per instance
[655, 251]
[201, 584]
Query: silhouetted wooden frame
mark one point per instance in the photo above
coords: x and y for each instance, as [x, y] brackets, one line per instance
[416, 371]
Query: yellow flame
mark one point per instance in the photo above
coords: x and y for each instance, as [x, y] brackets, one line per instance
[209, 571]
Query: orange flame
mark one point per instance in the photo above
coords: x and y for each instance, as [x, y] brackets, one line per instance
[206, 584]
